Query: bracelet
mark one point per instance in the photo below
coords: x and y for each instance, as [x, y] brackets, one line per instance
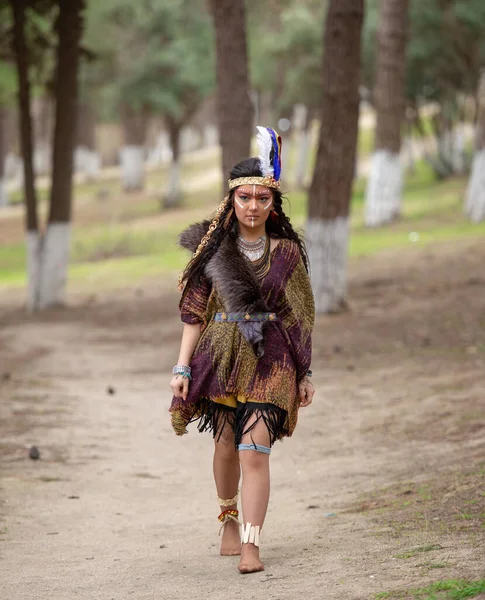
[309, 373]
[183, 370]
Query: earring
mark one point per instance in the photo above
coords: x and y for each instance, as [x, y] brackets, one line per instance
[274, 215]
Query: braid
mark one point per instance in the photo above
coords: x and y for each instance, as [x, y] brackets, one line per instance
[195, 269]
[284, 229]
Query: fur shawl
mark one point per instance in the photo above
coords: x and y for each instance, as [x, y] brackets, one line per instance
[233, 277]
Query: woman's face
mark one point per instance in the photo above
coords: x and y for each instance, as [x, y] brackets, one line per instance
[252, 204]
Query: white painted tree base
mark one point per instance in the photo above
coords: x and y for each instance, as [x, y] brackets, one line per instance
[42, 158]
[132, 160]
[173, 192]
[3, 193]
[32, 243]
[475, 194]
[327, 246]
[87, 162]
[47, 264]
[302, 161]
[384, 188]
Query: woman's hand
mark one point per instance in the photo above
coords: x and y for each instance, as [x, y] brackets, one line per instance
[180, 386]
[306, 390]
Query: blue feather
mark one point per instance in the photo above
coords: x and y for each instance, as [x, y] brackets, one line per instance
[276, 158]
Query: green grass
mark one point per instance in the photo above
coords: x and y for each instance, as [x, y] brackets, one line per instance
[420, 550]
[130, 249]
[365, 141]
[451, 589]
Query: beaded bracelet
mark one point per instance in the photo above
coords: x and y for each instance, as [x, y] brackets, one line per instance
[183, 370]
[309, 373]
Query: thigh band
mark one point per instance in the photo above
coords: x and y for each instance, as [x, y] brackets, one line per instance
[256, 447]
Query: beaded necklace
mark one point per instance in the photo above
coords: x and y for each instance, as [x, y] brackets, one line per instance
[253, 250]
[258, 253]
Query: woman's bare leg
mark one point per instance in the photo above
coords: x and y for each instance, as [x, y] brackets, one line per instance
[255, 492]
[226, 475]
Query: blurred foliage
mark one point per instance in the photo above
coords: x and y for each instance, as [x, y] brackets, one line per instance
[41, 39]
[445, 52]
[149, 55]
[159, 56]
[285, 47]
[444, 57]
[8, 83]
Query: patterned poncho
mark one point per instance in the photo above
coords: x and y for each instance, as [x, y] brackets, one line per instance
[224, 363]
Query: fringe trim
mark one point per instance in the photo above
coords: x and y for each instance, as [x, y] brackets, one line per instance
[274, 417]
[214, 417]
[220, 419]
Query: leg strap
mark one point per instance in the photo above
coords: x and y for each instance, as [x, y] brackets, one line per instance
[230, 501]
[256, 447]
[250, 534]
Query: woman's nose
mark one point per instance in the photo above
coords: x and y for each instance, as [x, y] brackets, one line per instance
[253, 205]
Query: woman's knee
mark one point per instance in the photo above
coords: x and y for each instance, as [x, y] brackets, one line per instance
[253, 459]
[225, 450]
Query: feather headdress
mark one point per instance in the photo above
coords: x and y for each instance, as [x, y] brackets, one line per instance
[269, 156]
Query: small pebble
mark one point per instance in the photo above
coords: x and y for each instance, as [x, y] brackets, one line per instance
[34, 453]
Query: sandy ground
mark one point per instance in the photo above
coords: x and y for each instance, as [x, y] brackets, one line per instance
[118, 507]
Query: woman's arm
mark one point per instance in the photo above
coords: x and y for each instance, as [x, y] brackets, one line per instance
[190, 338]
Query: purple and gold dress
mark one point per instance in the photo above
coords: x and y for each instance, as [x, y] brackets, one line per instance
[230, 384]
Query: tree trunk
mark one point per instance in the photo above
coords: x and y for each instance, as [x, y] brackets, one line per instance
[132, 155]
[3, 154]
[87, 159]
[475, 195]
[172, 197]
[235, 111]
[331, 187]
[21, 54]
[54, 248]
[384, 186]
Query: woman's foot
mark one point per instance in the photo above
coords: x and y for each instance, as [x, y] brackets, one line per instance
[250, 562]
[231, 539]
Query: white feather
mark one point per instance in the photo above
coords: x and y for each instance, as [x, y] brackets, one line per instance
[265, 145]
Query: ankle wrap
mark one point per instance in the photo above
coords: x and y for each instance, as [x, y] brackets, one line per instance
[230, 501]
[226, 516]
[250, 534]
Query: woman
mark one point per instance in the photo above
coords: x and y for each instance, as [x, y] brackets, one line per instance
[243, 368]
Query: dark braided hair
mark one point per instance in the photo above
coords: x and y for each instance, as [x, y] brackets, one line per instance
[277, 228]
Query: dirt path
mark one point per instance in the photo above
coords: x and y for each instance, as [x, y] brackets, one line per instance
[118, 507]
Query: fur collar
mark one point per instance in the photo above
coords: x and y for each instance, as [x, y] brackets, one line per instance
[234, 279]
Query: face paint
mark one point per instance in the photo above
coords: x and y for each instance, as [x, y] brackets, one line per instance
[249, 200]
